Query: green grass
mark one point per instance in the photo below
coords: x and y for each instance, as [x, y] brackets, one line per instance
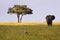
[29, 32]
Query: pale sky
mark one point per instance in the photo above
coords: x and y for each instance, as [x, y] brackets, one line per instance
[40, 8]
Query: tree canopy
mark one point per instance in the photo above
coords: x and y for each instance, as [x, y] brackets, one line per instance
[20, 9]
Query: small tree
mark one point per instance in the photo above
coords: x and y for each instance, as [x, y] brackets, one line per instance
[20, 10]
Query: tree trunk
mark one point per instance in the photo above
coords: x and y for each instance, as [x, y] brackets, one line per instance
[21, 18]
[18, 17]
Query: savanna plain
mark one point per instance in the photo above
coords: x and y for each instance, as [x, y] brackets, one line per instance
[29, 31]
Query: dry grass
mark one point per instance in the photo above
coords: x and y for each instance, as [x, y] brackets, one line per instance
[29, 32]
[27, 23]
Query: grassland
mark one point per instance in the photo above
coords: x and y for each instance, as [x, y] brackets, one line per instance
[13, 31]
[27, 23]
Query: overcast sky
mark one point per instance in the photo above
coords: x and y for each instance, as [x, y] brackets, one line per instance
[40, 8]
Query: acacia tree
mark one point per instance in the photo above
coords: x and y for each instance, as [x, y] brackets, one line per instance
[20, 10]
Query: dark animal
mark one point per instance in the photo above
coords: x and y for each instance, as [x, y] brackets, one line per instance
[49, 19]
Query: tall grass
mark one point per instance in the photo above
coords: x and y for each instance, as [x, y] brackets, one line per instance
[29, 32]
